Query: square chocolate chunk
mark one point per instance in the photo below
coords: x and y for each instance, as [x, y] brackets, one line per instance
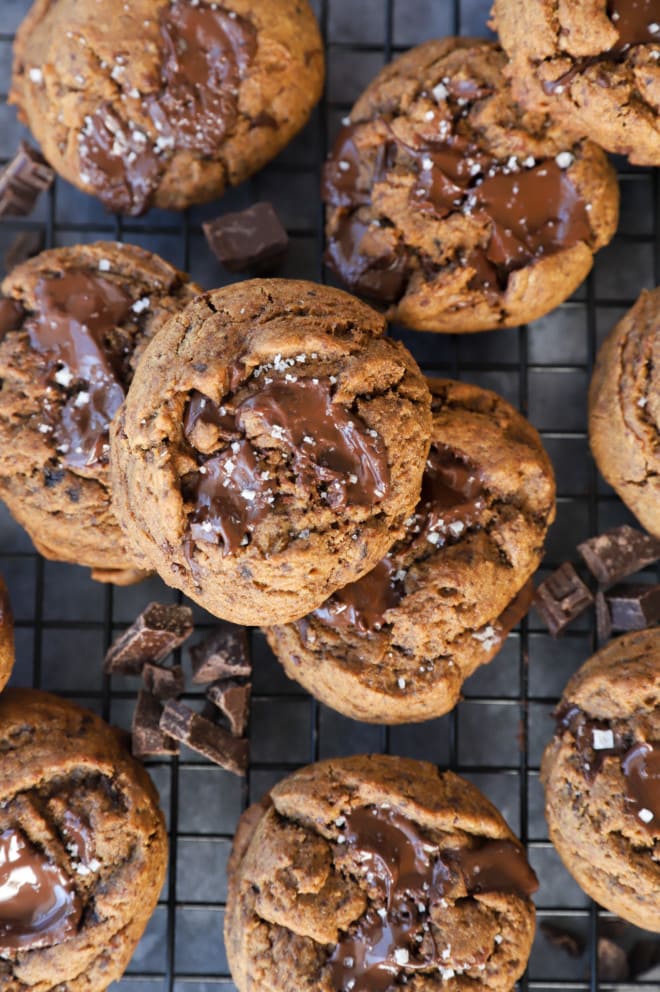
[205, 737]
[232, 697]
[223, 654]
[618, 553]
[634, 605]
[148, 739]
[252, 239]
[162, 682]
[561, 598]
[22, 180]
[159, 629]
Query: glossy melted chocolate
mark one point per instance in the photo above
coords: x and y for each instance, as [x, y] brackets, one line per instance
[38, 905]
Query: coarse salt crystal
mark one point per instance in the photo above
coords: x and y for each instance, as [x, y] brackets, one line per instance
[440, 92]
[140, 305]
[104, 265]
[645, 815]
[401, 955]
[602, 739]
[36, 75]
[564, 160]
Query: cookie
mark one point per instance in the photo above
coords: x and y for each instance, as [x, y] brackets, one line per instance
[455, 208]
[624, 410]
[601, 775]
[72, 325]
[373, 872]
[83, 848]
[165, 103]
[397, 645]
[270, 448]
[6, 636]
[592, 65]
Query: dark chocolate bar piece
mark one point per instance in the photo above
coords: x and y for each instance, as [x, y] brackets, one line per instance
[223, 654]
[252, 239]
[634, 605]
[603, 619]
[618, 553]
[205, 737]
[232, 697]
[148, 739]
[22, 180]
[612, 961]
[160, 628]
[25, 245]
[162, 682]
[644, 959]
[565, 940]
[561, 598]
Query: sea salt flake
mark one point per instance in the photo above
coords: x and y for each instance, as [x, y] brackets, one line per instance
[645, 815]
[401, 956]
[104, 265]
[602, 739]
[456, 528]
[64, 376]
[248, 494]
[440, 92]
[401, 682]
[141, 305]
[343, 165]
[36, 75]
[433, 538]
[564, 160]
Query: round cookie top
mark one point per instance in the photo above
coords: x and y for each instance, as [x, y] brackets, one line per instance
[455, 207]
[83, 847]
[602, 777]
[73, 322]
[7, 652]
[624, 410]
[592, 64]
[397, 645]
[270, 448]
[165, 102]
[362, 873]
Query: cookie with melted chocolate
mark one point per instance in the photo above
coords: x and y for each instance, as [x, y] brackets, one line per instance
[270, 448]
[453, 207]
[6, 636]
[371, 873]
[73, 322]
[83, 847]
[601, 774]
[165, 103]
[593, 64]
[397, 645]
[624, 410]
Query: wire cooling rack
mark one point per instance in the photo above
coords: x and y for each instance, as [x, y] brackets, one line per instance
[496, 736]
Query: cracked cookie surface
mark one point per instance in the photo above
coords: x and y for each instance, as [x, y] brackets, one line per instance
[74, 321]
[370, 873]
[270, 447]
[80, 819]
[165, 103]
[624, 410]
[593, 64]
[601, 775]
[397, 645]
[452, 205]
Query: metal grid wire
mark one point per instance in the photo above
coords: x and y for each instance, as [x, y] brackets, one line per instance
[495, 737]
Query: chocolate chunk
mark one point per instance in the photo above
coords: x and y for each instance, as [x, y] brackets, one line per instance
[232, 697]
[252, 239]
[22, 180]
[148, 738]
[223, 654]
[565, 940]
[618, 553]
[603, 618]
[561, 598]
[644, 959]
[634, 606]
[25, 245]
[205, 737]
[11, 315]
[158, 630]
[612, 961]
[164, 683]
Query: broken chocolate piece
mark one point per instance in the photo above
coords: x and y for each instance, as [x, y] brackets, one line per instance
[618, 553]
[148, 739]
[205, 737]
[160, 628]
[644, 959]
[232, 697]
[561, 598]
[223, 654]
[634, 606]
[612, 961]
[565, 940]
[163, 683]
[603, 618]
[25, 245]
[252, 239]
[22, 180]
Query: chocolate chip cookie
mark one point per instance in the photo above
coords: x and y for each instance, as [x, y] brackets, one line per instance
[6, 636]
[453, 206]
[624, 410]
[83, 848]
[602, 778]
[270, 448]
[73, 322]
[397, 645]
[373, 872]
[592, 64]
[165, 102]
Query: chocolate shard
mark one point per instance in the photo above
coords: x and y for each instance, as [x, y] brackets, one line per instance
[253, 239]
[162, 682]
[565, 940]
[561, 598]
[634, 605]
[22, 180]
[618, 553]
[160, 628]
[205, 737]
[232, 697]
[603, 618]
[644, 959]
[223, 654]
[148, 739]
[25, 245]
[612, 961]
